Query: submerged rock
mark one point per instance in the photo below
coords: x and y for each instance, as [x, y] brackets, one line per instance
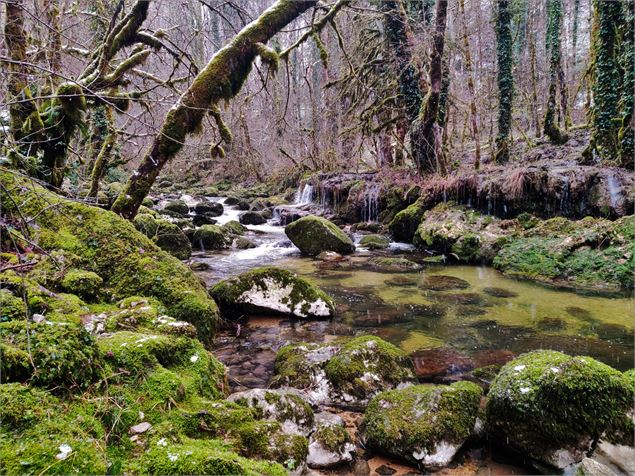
[287, 408]
[499, 292]
[425, 425]
[553, 407]
[440, 362]
[438, 282]
[330, 445]
[168, 236]
[345, 373]
[393, 265]
[272, 290]
[313, 235]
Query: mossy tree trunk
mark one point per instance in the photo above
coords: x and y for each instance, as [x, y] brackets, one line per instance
[426, 133]
[626, 132]
[103, 142]
[551, 128]
[505, 80]
[220, 80]
[612, 110]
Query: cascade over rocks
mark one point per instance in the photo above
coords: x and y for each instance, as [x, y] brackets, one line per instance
[345, 373]
[313, 235]
[269, 289]
[554, 408]
[425, 425]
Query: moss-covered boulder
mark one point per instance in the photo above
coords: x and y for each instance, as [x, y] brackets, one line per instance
[405, 223]
[269, 289]
[287, 408]
[425, 425]
[85, 284]
[177, 206]
[234, 228]
[61, 355]
[553, 407]
[330, 445]
[211, 237]
[252, 218]
[374, 242]
[213, 209]
[346, 373]
[312, 235]
[465, 234]
[168, 236]
[103, 242]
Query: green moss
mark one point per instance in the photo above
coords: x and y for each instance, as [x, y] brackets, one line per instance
[11, 307]
[406, 421]
[177, 206]
[168, 236]
[59, 355]
[394, 265]
[291, 366]
[23, 406]
[199, 457]
[374, 242]
[127, 261]
[332, 437]
[83, 283]
[312, 235]
[230, 294]
[347, 370]
[556, 400]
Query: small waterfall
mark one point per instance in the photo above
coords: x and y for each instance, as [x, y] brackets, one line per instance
[370, 210]
[304, 194]
[614, 190]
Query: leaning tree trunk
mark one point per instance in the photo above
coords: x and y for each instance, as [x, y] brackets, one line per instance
[426, 134]
[505, 80]
[221, 79]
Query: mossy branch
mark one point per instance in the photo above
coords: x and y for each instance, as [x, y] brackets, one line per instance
[221, 79]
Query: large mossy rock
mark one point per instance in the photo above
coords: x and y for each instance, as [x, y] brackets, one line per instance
[287, 408]
[374, 242]
[252, 218]
[313, 235]
[346, 373]
[330, 445]
[425, 425]
[588, 253]
[211, 237]
[463, 233]
[177, 206]
[212, 209]
[269, 289]
[405, 223]
[554, 408]
[103, 242]
[166, 235]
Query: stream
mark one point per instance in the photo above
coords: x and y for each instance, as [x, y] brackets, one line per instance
[452, 319]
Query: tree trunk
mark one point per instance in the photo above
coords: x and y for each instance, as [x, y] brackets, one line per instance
[470, 86]
[556, 74]
[505, 80]
[426, 133]
[221, 79]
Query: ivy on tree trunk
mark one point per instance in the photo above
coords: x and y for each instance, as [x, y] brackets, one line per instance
[505, 80]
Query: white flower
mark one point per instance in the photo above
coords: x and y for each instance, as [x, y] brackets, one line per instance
[162, 442]
[525, 389]
[172, 457]
[518, 368]
[194, 358]
[65, 450]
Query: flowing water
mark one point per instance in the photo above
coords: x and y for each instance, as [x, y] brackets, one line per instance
[459, 317]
